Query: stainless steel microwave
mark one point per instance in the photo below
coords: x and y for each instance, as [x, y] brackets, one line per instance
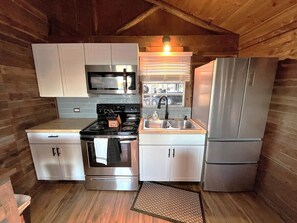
[112, 79]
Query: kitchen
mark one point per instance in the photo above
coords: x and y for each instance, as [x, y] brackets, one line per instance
[270, 34]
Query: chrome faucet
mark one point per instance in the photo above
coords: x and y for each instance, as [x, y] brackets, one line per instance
[166, 103]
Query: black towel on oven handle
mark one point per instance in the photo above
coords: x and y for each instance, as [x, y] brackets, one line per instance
[114, 150]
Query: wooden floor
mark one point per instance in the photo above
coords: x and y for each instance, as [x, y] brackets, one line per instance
[71, 202]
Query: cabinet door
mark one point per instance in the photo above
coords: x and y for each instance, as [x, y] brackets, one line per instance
[72, 63]
[47, 65]
[71, 163]
[186, 163]
[154, 163]
[46, 161]
[124, 53]
[97, 53]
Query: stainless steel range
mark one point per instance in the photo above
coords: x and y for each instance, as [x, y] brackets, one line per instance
[120, 172]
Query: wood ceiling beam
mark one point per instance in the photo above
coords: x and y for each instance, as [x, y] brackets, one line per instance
[187, 17]
[138, 19]
[203, 45]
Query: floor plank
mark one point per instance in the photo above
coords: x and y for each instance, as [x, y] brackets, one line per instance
[62, 202]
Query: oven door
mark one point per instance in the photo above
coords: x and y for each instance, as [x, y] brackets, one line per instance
[127, 164]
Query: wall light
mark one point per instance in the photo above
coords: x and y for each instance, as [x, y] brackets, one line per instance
[166, 43]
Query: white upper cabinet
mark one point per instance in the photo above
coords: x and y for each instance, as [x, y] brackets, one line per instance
[60, 70]
[47, 65]
[124, 53]
[98, 53]
[72, 62]
[111, 53]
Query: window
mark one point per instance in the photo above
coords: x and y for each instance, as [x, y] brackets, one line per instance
[164, 74]
[159, 67]
[152, 91]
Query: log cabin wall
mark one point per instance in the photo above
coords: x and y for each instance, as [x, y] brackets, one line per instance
[20, 104]
[277, 175]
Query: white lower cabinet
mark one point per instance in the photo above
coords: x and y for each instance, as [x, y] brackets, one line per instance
[154, 163]
[186, 163]
[46, 164]
[55, 157]
[170, 162]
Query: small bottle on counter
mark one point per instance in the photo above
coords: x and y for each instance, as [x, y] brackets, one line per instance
[155, 115]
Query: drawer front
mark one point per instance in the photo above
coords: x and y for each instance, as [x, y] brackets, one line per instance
[170, 139]
[233, 152]
[229, 178]
[53, 137]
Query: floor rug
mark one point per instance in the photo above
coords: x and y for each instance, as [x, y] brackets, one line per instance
[169, 203]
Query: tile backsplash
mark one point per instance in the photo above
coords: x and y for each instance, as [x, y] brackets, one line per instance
[174, 112]
[87, 106]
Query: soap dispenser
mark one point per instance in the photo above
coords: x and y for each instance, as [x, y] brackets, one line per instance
[155, 115]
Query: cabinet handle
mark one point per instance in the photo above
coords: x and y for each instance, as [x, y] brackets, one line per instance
[53, 150]
[58, 151]
[51, 136]
[173, 152]
[168, 152]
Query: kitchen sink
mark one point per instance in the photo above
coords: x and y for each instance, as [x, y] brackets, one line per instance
[181, 124]
[155, 124]
[169, 124]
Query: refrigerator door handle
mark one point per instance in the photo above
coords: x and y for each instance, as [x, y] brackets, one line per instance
[252, 78]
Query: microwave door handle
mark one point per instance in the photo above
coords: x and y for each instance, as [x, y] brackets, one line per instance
[125, 80]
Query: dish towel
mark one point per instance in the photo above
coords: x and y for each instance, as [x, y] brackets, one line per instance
[100, 145]
[114, 151]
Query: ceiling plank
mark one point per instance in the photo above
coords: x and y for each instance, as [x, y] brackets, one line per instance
[138, 19]
[31, 9]
[187, 17]
[95, 17]
[272, 34]
[56, 24]
[282, 46]
[280, 23]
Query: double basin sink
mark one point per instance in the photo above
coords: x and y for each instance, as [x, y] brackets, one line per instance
[169, 124]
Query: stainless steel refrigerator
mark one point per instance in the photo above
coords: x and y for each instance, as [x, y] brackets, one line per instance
[231, 100]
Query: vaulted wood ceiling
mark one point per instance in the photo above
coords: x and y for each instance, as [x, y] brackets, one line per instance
[210, 28]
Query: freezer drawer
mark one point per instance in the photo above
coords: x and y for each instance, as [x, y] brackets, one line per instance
[233, 152]
[229, 178]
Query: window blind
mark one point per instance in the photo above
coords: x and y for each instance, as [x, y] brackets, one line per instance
[163, 67]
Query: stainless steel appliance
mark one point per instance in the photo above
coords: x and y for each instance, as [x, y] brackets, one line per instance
[113, 79]
[121, 174]
[231, 100]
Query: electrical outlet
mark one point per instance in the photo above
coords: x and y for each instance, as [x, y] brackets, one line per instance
[76, 109]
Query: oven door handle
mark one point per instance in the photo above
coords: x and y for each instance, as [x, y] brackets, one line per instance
[127, 140]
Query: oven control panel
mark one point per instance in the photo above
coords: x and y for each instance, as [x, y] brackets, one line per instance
[121, 108]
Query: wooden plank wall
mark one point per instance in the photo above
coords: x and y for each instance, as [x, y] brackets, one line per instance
[20, 104]
[277, 174]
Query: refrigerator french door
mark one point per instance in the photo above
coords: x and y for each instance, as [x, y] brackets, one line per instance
[234, 107]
